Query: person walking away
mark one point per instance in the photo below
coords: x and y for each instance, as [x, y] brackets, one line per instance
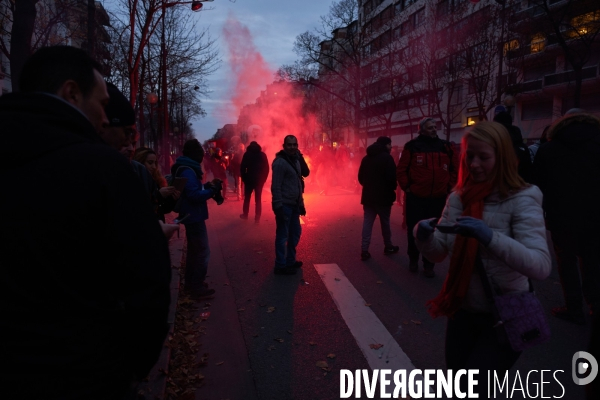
[567, 170]
[234, 167]
[254, 170]
[496, 217]
[288, 204]
[426, 172]
[377, 175]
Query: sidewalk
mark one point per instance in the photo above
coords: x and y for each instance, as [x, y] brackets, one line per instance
[227, 373]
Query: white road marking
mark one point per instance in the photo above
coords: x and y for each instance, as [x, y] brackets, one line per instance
[364, 325]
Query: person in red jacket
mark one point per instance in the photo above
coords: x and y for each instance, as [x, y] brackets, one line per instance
[427, 172]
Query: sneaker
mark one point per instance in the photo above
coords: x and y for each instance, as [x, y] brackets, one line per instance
[391, 249]
[201, 294]
[564, 314]
[296, 264]
[413, 266]
[285, 270]
[244, 216]
[365, 255]
[428, 270]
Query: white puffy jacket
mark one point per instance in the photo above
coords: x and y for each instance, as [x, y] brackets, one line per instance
[518, 249]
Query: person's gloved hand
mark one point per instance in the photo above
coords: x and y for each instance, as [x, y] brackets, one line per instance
[209, 185]
[218, 184]
[425, 229]
[475, 228]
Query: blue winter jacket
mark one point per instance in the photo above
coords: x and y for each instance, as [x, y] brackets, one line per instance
[194, 196]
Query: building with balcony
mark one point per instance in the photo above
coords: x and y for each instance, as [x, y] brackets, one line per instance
[455, 60]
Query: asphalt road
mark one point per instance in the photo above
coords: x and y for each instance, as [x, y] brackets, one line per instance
[269, 332]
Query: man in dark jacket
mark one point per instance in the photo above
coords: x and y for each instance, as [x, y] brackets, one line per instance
[378, 179]
[427, 172]
[84, 266]
[521, 149]
[254, 170]
[287, 187]
[567, 170]
[193, 203]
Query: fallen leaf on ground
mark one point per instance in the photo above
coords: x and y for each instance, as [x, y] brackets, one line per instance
[270, 309]
[331, 355]
[220, 363]
[322, 364]
[279, 340]
[312, 343]
[368, 304]
[290, 332]
[272, 347]
[338, 279]
[241, 309]
[376, 346]
[416, 322]
[259, 252]
[379, 282]
[405, 322]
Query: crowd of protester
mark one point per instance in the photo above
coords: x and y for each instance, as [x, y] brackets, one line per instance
[100, 325]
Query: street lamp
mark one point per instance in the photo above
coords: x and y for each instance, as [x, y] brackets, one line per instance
[196, 6]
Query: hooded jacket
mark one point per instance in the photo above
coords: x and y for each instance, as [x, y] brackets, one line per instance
[84, 265]
[194, 195]
[428, 167]
[567, 170]
[377, 175]
[254, 168]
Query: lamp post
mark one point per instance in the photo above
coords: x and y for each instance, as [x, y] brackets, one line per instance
[166, 143]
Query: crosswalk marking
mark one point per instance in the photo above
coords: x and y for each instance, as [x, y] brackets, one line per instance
[366, 328]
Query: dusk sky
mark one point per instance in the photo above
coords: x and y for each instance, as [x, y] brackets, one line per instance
[273, 25]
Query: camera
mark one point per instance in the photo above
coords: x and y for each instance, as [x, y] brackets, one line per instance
[218, 188]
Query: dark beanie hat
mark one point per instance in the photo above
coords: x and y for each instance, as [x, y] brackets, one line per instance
[118, 110]
[384, 140]
[503, 118]
[193, 150]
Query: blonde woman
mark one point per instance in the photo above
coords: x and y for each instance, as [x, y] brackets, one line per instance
[494, 213]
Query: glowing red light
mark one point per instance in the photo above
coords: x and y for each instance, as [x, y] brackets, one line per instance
[196, 5]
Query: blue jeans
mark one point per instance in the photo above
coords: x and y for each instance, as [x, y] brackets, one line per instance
[287, 236]
[384, 218]
[198, 254]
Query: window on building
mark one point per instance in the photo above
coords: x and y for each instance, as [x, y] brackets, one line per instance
[511, 45]
[540, 109]
[405, 28]
[418, 18]
[472, 120]
[397, 33]
[538, 43]
[368, 7]
[585, 24]
[398, 7]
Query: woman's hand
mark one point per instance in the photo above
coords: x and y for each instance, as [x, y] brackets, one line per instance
[475, 228]
[425, 229]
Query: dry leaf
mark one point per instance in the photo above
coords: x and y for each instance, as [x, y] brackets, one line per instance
[279, 340]
[379, 282]
[414, 321]
[259, 252]
[220, 363]
[272, 347]
[368, 304]
[405, 322]
[338, 279]
[312, 343]
[322, 364]
[270, 309]
[331, 355]
[376, 346]
[290, 332]
[241, 309]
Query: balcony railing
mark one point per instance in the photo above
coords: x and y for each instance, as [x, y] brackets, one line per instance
[569, 76]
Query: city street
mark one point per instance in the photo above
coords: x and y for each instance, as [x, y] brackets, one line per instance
[288, 337]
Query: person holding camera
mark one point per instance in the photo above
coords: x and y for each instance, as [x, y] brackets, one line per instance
[193, 202]
[289, 169]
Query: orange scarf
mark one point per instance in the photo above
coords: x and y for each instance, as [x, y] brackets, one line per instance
[450, 298]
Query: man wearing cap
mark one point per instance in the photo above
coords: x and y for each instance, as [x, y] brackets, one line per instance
[378, 179]
[427, 172]
[84, 266]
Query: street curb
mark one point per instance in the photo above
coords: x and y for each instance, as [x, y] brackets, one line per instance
[156, 386]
